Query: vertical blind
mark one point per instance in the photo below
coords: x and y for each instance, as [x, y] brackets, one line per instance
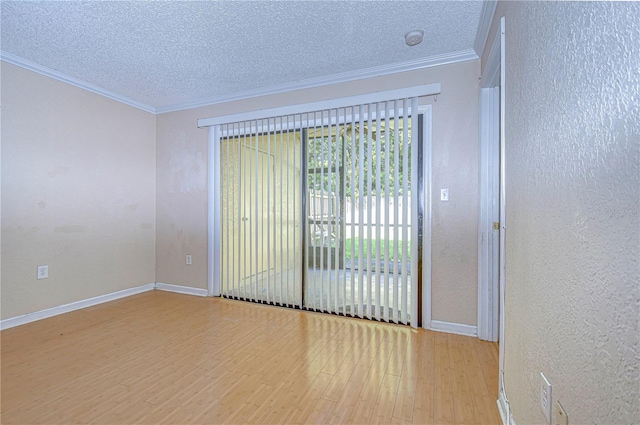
[260, 212]
[317, 211]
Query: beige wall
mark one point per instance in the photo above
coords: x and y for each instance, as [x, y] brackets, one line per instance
[78, 193]
[182, 182]
[81, 175]
[573, 207]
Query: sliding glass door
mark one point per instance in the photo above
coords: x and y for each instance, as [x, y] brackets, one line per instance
[261, 216]
[360, 182]
[320, 210]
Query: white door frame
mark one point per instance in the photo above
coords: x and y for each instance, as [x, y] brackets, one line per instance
[492, 138]
[489, 238]
[426, 223]
[214, 177]
[214, 216]
[488, 235]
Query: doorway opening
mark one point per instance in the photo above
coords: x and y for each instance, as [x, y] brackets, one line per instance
[492, 241]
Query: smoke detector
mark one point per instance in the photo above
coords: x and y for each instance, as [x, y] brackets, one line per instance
[413, 38]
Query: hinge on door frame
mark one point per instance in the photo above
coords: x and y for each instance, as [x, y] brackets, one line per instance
[496, 225]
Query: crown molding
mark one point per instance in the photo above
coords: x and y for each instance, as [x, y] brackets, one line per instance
[449, 58]
[378, 71]
[484, 25]
[32, 66]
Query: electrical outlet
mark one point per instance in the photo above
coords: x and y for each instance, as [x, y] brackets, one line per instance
[189, 259]
[561, 416]
[444, 194]
[545, 397]
[43, 272]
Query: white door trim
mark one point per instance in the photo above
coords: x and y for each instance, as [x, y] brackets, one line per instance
[213, 219]
[492, 136]
[491, 119]
[426, 225]
[488, 237]
[503, 209]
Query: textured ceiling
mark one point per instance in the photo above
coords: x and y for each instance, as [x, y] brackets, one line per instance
[162, 53]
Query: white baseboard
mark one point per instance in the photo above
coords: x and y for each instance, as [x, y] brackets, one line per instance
[181, 289]
[66, 308]
[454, 328]
[505, 411]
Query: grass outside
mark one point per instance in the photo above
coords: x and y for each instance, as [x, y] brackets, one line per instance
[353, 248]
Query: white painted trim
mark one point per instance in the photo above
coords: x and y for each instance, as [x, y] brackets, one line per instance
[415, 116]
[505, 410]
[491, 75]
[77, 305]
[179, 289]
[488, 238]
[213, 214]
[426, 228]
[449, 58]
[381, 96]
[438, 60]
[484, 25]
[503, 206]
[453, 328]
[52, 73]
[494, 76]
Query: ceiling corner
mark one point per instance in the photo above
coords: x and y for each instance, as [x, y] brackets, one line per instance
[57, 75]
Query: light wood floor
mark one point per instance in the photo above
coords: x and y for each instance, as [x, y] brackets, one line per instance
[159, 357]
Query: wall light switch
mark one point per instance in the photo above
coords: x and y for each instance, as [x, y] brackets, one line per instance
[189, 259]
[545, 397]
[444, 194]
[43, 272]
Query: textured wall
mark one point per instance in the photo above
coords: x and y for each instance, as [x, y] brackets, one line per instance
[573, 202]
[182, 192]
[78, 193]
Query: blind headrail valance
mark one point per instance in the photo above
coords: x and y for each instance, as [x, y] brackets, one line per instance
[381, 96]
